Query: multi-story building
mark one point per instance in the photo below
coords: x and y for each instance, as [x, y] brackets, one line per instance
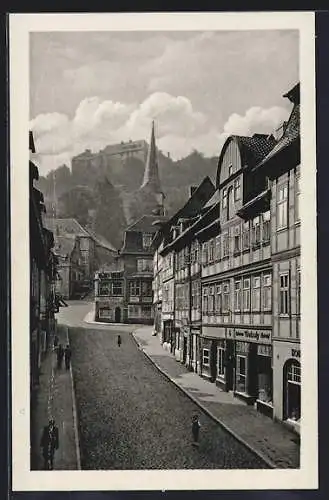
[124, 292]
[246, 241]
[282, 167]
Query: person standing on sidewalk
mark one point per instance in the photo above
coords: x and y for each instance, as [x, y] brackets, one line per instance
[67, 356]
[49, 443]
[195, 430]
[119, 340]
[60, 355]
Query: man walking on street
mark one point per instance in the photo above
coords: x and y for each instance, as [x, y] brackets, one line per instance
[67, 356]
[60, 355]
[49, 443]
[119, 340]
[195, 430]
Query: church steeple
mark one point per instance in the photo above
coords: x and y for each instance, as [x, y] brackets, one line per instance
[151, 175]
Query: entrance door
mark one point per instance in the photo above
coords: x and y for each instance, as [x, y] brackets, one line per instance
[213, 360]
[117, 315]
[229, 365]
[184, 349]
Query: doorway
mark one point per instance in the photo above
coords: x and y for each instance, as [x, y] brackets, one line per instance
[117, 315]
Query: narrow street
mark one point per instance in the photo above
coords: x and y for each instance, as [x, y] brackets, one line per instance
[130, 416]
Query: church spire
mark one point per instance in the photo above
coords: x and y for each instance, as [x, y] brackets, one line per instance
[151, 174]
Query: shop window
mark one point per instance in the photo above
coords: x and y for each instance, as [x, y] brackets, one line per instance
[246, 236]
[221, 359]
[147, 288]
[237, 189]
[134, 311]
[211, 300]
[266, 226]
[265, 373]
[282, 206]
[237, 240]
[237, 296]
[226, 247]
[256, 232]
[135, 288]
[256, 294]
[267, 292]
[284, 294]
[293, 389]
[218, 303]
[246, 294]
[241, 374]
[104, 289]
[146, 312]
[226, 297]
[218, 248]
[205, 357]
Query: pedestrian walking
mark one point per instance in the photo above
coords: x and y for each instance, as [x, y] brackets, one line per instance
[67, 356]
[60, 355]
[49, 443]
[195, 430]
[119, 340]
[56, 339]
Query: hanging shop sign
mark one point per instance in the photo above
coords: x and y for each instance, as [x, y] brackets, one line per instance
[261, 336]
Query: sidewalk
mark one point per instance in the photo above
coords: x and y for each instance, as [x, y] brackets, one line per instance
[270, 440]
[55, 397]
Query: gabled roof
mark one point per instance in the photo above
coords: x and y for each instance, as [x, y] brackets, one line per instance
[64, 227]
[213, 200]
[146, 224]
[101, 241]
[64, 245]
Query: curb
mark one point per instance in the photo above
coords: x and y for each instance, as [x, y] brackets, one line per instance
[260, 455]
[75, 415]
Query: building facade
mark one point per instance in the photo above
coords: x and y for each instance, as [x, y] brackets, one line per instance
[236, 307]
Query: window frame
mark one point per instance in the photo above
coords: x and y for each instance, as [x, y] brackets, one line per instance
[237, 296]
[254, 308]
[246, 294]
[282, 205]
[206, 356]
[284, 294]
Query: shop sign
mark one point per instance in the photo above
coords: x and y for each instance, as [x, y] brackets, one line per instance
[295, 353]
[134, 299]
[262, 336]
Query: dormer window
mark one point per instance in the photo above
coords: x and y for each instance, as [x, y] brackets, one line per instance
[230, 170]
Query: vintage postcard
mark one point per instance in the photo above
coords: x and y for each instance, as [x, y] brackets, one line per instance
[163, 232]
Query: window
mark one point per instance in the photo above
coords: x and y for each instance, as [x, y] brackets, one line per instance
[134, 288]
[146, 312]
[205, 254]
[221, 358]
[246, 294]
[225, 198]
[294, 373]
[147, 240]
[226, 297]
[205, 357]
[256, 232]
[266, 226]
[144, 265]
[297, 197]
[117, 287]
[103, 288]
[205, 300]
[211, 300]
[293, 395]
[267, 292]
[230, 170]
[195, 252]
[218, 248]
[241, 374]
[134, 311]
[256, 294]
[147, 288]
[282, 203]
[211, 251]
[237, 239]
[237, 189]
[237, 295]
[218, 299]
[226, 247]
[195, 295]
[284, 294]
[298, 291]
[246, 237]
[230, 203]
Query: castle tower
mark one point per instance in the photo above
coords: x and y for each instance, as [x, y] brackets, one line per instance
[152, 196]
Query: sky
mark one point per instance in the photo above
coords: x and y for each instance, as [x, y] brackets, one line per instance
[91, 89]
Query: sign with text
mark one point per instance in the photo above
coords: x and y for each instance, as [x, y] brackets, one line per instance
[261, 336]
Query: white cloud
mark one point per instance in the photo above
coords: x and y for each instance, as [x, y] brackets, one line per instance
[256, 119]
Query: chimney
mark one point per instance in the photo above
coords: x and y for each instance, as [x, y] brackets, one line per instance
[192, 190]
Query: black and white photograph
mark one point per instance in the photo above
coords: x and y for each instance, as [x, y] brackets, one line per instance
[163, 207]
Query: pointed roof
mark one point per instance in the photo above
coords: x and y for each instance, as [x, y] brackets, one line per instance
[151, 174]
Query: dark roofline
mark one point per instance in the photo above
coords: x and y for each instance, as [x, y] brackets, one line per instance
[294, 94]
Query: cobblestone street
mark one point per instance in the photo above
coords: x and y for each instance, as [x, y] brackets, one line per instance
[131, 417]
